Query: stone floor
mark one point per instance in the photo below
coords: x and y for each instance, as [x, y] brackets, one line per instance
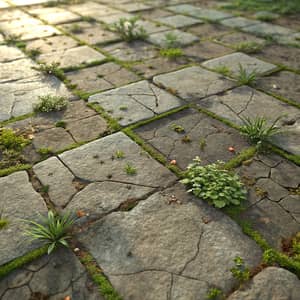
[107, 156]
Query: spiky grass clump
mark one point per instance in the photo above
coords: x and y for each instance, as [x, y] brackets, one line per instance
[245, 77]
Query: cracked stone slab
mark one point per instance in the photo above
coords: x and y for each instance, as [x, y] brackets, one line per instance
[95, 161]
[18, 201]
[271, 181]
[54, 15]
[285, 84]
[8, 54]
[194, 83]
[245, 102]
[201, 13]
[270, 283]
[72, 57]
[178, 21]
[102, 77]
[235, 60]
[134, 51]
[169, 246]
[57, 276]
[206, 137]
[136, 102]
[182, 38]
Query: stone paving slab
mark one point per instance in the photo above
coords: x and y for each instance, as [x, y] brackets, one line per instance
[183, 38]
[235, 60]
[178, 21]
[285, 84]
[193, 83]
[27, 2]
[201, 136]
[18, 201]
[57, 276]
[136, 102]
[239, 22]
[102, 77]
[111, 19]
[236, 38]
[185, 256]
[269, 282]
[245, 102]
[8, 53]
[3, 4]
[273, 208]
[72, 57]
[94, 162]
[92, 9]
[11, 14]
[134, 7]
[209, 31]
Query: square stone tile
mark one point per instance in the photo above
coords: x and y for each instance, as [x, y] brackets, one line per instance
[154, 13]
[178, 21]
[72, 57]
[265, 29]
[158, 65]
[206, 50]
[11, 14]
[201, 136]
[239, 22]
[236, 38]
[55, 15]
[193, 83]
[209, 31]
[235, 60]
[244, 102]
[136, 102]
[134, 7]
[151, 27]
[92, 9]
[285, 84]
[102, 77]
[111, 19]
[134, 51]
[8, 53]
[52, 44]
[183, 38]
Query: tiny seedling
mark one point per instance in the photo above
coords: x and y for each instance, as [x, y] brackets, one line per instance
[245, 77]
[45, 151]
[213, 294]
[123, 108]
[61, 124]
[3, 221]
[248, 47]
[186, 139]
[50, 103]
[75, 28]
[53, 230]
[171, 40]
[224, 70]
[130, 170]
[240, 271]
[178, 128]
[171, 53]
[129, 30]
[120, 154]
[33, 53]
[258, 131]
[44, 189]
[51, 69]
[202, 144]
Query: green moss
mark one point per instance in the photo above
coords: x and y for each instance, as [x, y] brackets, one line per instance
[10, 170]
[9, 140]
[21, 261]
[3, 223]
[171, 53]
[15, 119]
[61, 124]
[293, 158]
[240, 158]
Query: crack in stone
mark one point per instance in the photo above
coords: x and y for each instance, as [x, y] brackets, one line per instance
[247, 104]
[169, 294]
[141, 103]
[154, 94]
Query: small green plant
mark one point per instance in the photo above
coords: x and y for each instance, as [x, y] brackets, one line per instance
[12, 39]
[44, 189]
[214, 293]
[53, 230]
[171, 53]
[45, 152]
[129, 30]
[248, 47]
[50, 103]
[258, 131]
[120, 154]
[186, 139]
[130, 170]
[3, 221]
[10, 141]
[224, 70]
[61, 124]
[123, 108]
[33, 53]
[75, 28]
[52, 69]
[202, 144]
[171, 40]
[178, 128]
[245, 77]
[240, 271]
[214, 184]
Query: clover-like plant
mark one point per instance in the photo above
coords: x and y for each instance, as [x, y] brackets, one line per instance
[240, 271]
[214, 184]
[53, 230]
[129, 29]
[49, 103]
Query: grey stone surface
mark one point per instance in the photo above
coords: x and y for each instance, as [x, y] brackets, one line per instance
[208, 138]
[183, 38]
[134, 7]
[237, 38]
[239, 22]
[235, 60]
[18, 201]
[168, 246]
[270, 283]
[8, 53]
[72, 57]
[136, 102]
[209, 31]
[100, 78]
[92, 9]
[93, 162]
[60, 276]
[178, 21]
[193, 83]
[151, 27]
